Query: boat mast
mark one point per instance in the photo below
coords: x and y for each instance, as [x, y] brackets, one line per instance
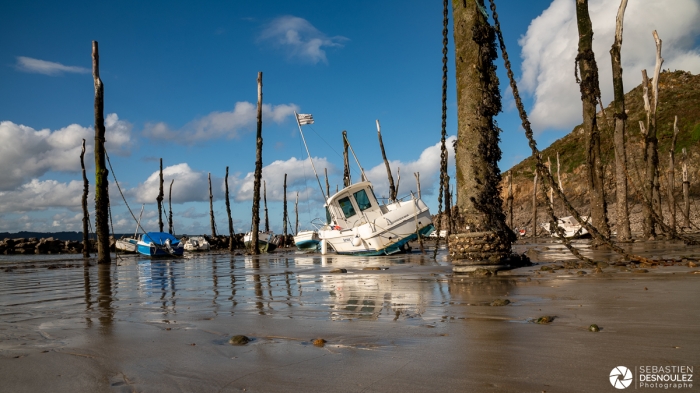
[138, 223]
[364, 178]
[296, 116]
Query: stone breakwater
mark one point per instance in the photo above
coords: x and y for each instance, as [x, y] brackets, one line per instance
[49, 245]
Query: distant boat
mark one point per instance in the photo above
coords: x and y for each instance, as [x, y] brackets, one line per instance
[572, 228]
[307, 240]
[197, 243]
[267, 241]
[130, 244]
[160, 244]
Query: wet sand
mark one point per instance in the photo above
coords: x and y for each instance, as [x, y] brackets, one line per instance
[414, 326]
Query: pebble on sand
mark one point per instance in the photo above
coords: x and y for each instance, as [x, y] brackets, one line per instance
[593, 328]
[339, 270]
[319, 342]
[543, 320]
[239, 340]
[500, 302]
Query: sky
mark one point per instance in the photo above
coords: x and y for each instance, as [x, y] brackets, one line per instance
[181, 85]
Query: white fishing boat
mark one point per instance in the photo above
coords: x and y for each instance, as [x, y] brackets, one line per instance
[307, 240]
[197, 243]
[357, 224]
[572, 228]
[267, 241]
[130, 244]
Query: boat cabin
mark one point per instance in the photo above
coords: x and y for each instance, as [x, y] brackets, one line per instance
[353, 206]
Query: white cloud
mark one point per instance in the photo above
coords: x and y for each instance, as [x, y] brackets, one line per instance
[300, 178]
[26, 153]
[428, 165]
[27, 64]
[189, 186]
[299, 39]
[220, 124]
[551, 44]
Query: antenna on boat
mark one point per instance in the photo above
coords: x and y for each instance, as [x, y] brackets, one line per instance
[364, 178]
[309, 119]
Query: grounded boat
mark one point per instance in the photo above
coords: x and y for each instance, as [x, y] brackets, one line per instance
[197, 243]
[359, 225]
[160, 244]
[267, 241]
[572, 228]
[307, 240]
[127, 245]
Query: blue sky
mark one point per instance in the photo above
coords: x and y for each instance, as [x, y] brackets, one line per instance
[180, 84]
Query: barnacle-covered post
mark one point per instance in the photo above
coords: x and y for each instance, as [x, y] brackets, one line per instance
[101, 172]
[482, 239]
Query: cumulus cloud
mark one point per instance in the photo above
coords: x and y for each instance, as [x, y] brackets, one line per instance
[27, 64]
[427, 164]
[300, 178]
[189, 185]
[41, 195]
[220, 124]
[26, 153]
[548, 59]
[299, 39]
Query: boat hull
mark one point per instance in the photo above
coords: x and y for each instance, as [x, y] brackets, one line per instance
[153, 244]
[267, 241]
[128, 245]
[307, 240]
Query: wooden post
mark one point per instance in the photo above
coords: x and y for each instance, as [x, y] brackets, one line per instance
[392, 190]
[534, 207]
[623, 221]
[551, 188]
[296, 214]
[671, 177]
[101, 172]
[590, 91]
[267, 220]
[228, 213]
[328, 186]
[86, 214]
[398, 181]
[258, 172]
[211, 210]
[159, 198]
[686, 191]
[284, 212]
[170, 208]
[559, 174]
[346, 161]
[510, 199]
[417, 175]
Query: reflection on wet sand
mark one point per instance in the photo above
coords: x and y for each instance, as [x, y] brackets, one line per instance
[104, 298]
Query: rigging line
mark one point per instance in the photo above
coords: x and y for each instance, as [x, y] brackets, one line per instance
[306, 187]
[331, 147]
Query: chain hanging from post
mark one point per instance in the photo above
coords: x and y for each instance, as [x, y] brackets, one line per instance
[547, 178]
[443, 149]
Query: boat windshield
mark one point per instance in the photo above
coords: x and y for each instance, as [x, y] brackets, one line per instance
[362, 200]
[346, 205]
[328, 216]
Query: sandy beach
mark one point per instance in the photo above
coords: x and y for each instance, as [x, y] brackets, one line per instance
[408, 324]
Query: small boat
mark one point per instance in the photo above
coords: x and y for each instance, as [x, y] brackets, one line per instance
[127, 245]
[160, 244]
[267, 241]
[572, 228]
[197, 243]
[360, 225]
[307, 240]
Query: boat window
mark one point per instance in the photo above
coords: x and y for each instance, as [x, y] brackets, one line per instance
[346, 205]
[362, 200]
[328, 216]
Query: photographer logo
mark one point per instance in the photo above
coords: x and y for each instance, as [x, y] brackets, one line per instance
[621, 377]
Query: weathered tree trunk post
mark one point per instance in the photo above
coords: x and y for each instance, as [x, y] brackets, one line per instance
[590, 91]
[551, 188]
[212, 222]
[284, 211]
[649, 227]
[534, 206]
[170, 208]
[686, 191]
[101, 172]
[672, 177]
[160, 198]
[623, 220]
[487, 242]
[267, 220]
[392, 190]
[417, 175]
[296, 215]
[258, 172]
[228, 213]
[346, 161]
[509, 202]
[86, 214]
[328, 186]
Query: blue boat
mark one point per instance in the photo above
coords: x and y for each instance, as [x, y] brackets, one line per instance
[160, 244]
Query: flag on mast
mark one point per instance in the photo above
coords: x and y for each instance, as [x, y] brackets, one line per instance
[305, 119]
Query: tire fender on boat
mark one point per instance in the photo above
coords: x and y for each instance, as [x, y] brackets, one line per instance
[356, 241]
